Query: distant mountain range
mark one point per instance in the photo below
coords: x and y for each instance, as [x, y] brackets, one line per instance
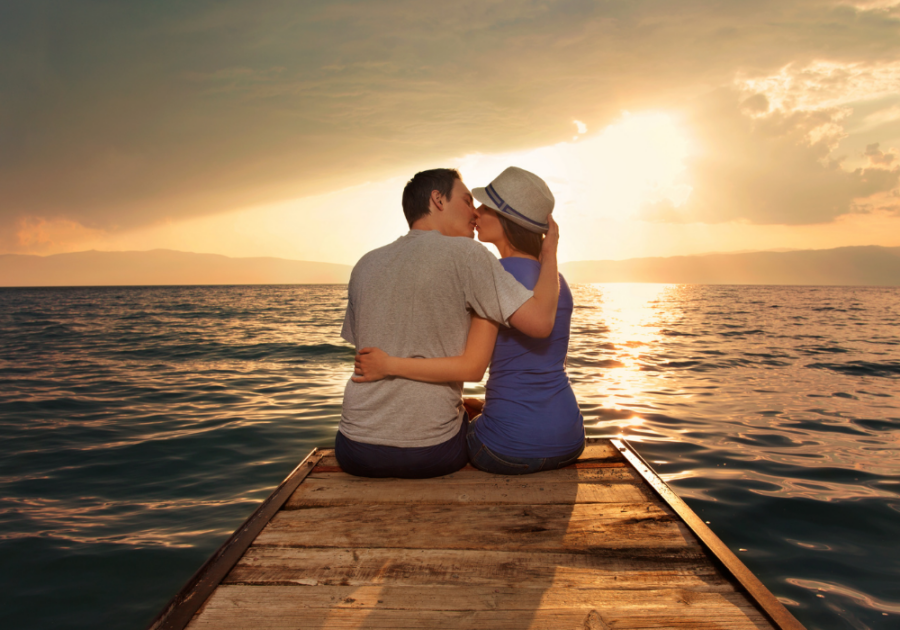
[874, 266]
[161, 267]
[871, 266]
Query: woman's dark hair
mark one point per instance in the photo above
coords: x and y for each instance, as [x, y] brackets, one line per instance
[522, 239]
[418, 191]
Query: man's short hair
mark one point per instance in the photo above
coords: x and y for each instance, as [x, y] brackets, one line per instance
[418, 191]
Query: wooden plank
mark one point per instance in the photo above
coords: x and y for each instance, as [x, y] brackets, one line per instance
[349, 619]
[634, 569]
[595, 452]
[595, 448]
[475, 598]
[462, 606]
[774, 609]
[177, 614]
[581, 528]
[600, 449]
[617, 474]
[364, 619]
[578, 464]
[323, 490]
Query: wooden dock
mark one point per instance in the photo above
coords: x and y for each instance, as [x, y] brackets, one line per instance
[601, 544]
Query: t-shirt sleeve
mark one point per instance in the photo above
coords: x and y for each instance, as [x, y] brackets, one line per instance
[492, 292]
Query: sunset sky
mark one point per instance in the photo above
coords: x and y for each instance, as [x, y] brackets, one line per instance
[276, 128]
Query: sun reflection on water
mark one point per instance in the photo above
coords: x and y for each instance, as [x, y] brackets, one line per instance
[731, 379]
[613, 328]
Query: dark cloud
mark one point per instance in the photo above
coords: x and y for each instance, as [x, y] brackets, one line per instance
[114, 115]
[879, 157]
[756, 104]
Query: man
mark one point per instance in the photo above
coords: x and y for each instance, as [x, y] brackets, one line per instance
[415, 298]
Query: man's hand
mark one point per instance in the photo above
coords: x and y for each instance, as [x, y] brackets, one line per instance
[473, 406]
[371, 364]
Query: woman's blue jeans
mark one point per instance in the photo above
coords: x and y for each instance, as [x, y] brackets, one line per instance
[483, 458]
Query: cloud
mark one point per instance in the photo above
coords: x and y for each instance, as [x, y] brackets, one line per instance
[116, 117]
[885, 6]
[39, 236]
[878, 157]
[772, 166]
[821, 84]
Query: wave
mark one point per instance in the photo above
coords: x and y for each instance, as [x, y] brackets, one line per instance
[861, 368]
[824, 350]
[676, 333]
[213, 351]
[742, 333]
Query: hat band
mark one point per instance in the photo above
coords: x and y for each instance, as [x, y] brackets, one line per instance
[502, 206]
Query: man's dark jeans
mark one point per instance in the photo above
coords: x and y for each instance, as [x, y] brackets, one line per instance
[375, 460]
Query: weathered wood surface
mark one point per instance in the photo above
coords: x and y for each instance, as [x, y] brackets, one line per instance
[582, 527]
[588, 547]
[327, 490]
[609, 473]
[686, 568]
[471, 607]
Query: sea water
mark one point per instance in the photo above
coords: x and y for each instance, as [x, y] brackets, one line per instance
[140, 426]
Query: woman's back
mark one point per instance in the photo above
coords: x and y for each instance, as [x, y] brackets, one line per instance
[530, 409]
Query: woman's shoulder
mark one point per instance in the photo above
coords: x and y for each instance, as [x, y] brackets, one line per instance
[525, 270]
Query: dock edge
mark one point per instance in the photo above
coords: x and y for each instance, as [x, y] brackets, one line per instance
[177, 614]
[762, 597]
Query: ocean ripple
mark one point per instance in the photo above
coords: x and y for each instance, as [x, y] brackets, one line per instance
[142, 425]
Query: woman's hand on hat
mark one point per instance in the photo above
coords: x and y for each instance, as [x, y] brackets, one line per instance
[551, 239]
[370, 364]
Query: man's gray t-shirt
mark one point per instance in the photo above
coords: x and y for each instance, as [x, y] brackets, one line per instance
[414, 298]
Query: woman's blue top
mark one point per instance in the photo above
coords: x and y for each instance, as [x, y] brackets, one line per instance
[530, 409]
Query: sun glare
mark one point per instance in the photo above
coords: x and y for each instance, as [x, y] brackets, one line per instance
[611, 174]
[601, 181]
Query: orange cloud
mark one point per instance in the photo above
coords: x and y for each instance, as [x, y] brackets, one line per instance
[35, 235]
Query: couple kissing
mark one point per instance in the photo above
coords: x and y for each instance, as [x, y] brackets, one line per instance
[431, 310]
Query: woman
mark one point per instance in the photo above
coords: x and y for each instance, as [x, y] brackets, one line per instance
[530, 420]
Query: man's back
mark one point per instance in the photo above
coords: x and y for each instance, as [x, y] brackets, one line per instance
[413, 298]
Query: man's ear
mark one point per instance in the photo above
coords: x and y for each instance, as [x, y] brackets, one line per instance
[436, 201]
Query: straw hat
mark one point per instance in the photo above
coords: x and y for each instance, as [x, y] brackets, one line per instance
[520, 196]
